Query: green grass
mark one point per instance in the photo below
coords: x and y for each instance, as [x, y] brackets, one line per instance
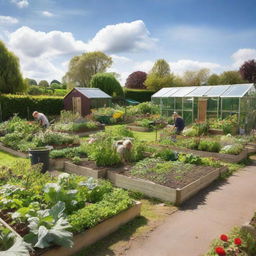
[143, 136]
[8, 160]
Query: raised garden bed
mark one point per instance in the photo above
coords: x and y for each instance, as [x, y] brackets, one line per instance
[220, 156]
[171, 181]
[98, 232]
[12, 151]
[137, 128]
[87, 132]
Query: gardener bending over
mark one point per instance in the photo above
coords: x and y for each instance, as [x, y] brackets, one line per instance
[41, 118]
[179, 123]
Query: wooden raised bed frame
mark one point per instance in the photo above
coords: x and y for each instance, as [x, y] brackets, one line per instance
[223, 157]
[137, 128]
[12, 151]
[149, 188]
[92, 235]
[86, 133]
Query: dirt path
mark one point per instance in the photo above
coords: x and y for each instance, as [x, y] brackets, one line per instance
[189, 231]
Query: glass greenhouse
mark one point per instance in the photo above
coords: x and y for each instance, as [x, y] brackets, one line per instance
[203, 102]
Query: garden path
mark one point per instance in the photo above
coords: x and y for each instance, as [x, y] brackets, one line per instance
[216, 210]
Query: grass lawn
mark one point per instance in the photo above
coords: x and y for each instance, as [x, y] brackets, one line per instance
[8, 160]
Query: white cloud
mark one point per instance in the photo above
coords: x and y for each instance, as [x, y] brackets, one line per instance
[122, 37]
[180, 66]
[47, 14]
[21, 3]
[242, 55]
[7, 20]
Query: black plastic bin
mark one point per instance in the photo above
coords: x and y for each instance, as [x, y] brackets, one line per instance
[40, 155]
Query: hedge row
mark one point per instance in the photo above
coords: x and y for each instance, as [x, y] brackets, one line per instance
[138, 95]
[24, 105]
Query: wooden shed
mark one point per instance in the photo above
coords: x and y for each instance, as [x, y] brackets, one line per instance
[81, 100]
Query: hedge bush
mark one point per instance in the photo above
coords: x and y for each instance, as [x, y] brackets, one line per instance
[24, 105]
[138, 95]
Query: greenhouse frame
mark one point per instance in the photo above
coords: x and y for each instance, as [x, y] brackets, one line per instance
[199, 103]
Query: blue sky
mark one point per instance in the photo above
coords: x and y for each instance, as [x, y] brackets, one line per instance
[189, 34]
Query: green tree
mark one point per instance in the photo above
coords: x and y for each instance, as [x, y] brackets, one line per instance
[43, 83]
[11, 80]
[107, 83]
[196, 78]
[231, 77]
[82, 68]
[159, 76]
[213, 79]
[30, 81]
[55, 82]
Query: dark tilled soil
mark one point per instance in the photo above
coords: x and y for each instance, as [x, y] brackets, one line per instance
[119, 168]
[176, 180]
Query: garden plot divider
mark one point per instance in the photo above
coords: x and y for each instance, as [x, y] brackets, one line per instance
[86, 133]
[137, 128]
[13, 152]
[98, 232]
[223, 157]
[177, 196]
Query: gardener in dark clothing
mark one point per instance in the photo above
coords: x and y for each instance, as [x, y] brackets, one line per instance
[179, 123]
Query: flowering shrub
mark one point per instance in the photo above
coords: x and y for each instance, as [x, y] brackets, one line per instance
[226, 124]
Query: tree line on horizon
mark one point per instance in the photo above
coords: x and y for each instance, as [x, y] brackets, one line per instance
[90, 70]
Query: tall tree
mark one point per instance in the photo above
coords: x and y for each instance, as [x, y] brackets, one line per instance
[248, 71]
[213, 79]
[82, 68]
[30, 81]
[231, 77]
[196, 78]
[107, 83]
[43, 83]
[159, 76]
[55, 82]
[136, 80]
[11, 80]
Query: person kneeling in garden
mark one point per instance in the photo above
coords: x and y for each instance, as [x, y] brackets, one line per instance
[41, 118]
[124, 149]
[179, 125]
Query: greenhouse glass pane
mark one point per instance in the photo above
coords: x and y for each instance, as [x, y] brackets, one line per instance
[170, 92]
[187, 103]
[92, 93]
[238, 90]
[187, 116]
[161, 92]
[217, 90]
[212, 104]
[230, 104]
[178, 104]
[199, 91]
[156, 101]
[183, 91]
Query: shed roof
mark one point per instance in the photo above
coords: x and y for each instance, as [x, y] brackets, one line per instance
[93, 93]
[234, 90]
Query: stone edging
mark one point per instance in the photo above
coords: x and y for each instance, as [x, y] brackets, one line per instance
[12, 151]
[250, 229]
[177, 196]
[98, 232]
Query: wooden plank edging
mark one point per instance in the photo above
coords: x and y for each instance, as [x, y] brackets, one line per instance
[177, 196]
[98, 232]
[12, 151]
[83, 170]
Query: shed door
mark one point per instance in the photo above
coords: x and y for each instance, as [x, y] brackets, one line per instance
[202, 110]
[77, 106]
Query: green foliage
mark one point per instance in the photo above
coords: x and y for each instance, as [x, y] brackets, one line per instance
[213, 79]
[30, 81]
[195, 78]
[10, 76]
[56, 86]
[76, 160]
[83, 67]
[167, 155]
[111, 204]
[155, 82]
[43, 83]
[210, 146]
[55, 82]
[107, 83]
[231, 77]
[144, 123]
[35, 90]
[67, 152]
[25, 105]
[191, 159]
[234, 149]
[228, 125]
[138, 95]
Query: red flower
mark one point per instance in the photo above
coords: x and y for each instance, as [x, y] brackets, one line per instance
[224, 238]
[220, 251]
[237, 241]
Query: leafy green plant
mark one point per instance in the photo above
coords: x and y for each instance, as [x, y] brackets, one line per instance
[76, 160]
[210, 146]
[234, 149]
[167, 155]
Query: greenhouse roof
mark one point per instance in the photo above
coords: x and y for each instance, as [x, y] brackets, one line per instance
[234, 90]
[93, 93]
